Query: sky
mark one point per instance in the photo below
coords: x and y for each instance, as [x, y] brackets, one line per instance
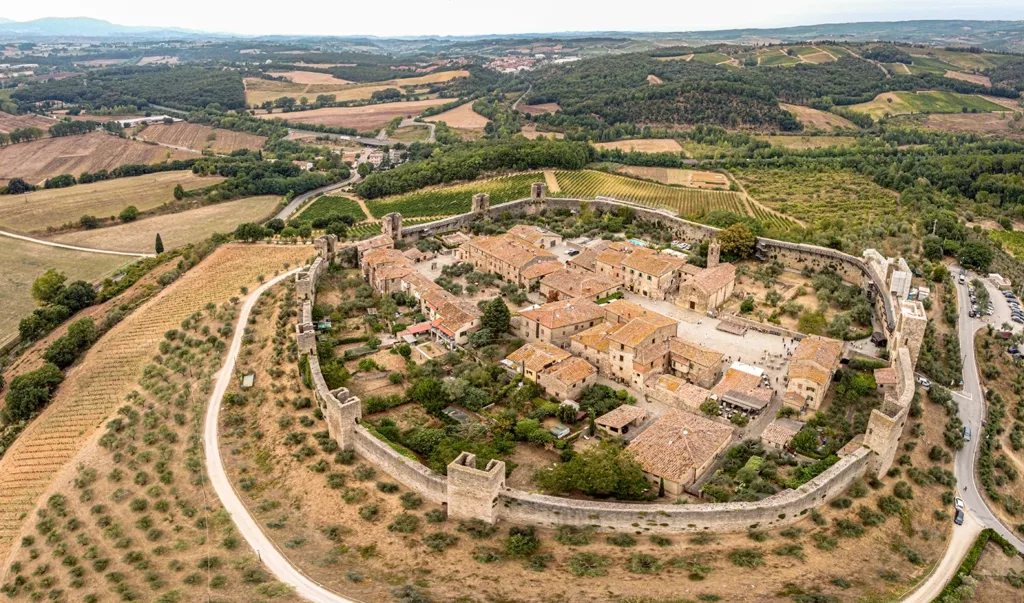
[475, 17]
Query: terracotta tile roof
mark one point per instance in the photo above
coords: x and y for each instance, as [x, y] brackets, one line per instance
[565, 312]
[437, 297]
[694, 353]
[634, 333]
[615, 253]
[651, 262]
[677, 443]
[510, 249]
[781, 431]
[587, 259]
[621, 310]
[392, 272]
[456, 316]
[809, 372]
[690, 269]
[571, 371]
[689, 394]
[736, 380]
[530, 233]
[455, 239]
[577, 284]
[541, 269]
[652, 351]
[822, 351]
[414, 254]
[375, 242]
[596, 337]
[713, 279]
[885, 376]
[619, 417]
[384, 255]
[537, 356]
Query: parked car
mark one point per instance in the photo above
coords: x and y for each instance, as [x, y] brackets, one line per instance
[961, 279]
[958, 503]
[967, 433]
[958, 519]
[572, 252]
[924, 382]
[1018, 319]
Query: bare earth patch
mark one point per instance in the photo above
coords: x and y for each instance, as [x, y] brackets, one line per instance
[540, 109]
[360, 118]
[995, 124]
[10, 122]
[644, 145]
[970, 77]
[198, 137]
[310, 77]
[813, 118]
[462, 117]
[679, 177]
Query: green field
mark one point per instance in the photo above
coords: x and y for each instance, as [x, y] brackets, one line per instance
[968, 61]
[711, 58]
[819, 195]
[837, 51]
[902, 103]
[328, 207]
[777, 59]
[1012, 241]
[930, 65]
[451, 200]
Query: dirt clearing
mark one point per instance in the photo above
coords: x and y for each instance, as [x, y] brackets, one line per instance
[644, 145]
[175, 230]
[970, 77]
[679, 177]
[808, 142]
[813, 118]
[540, 109]
[360, 118]
[310, 77]
[463, 117]
[198, 137]
[552, 182]
[10, 122]
[41, 159]
[992, 124]
[654, 80]
[257, 90]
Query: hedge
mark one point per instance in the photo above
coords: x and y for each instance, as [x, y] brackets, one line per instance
[967, 566]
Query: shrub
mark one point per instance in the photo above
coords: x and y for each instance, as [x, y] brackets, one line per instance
[848, 529]
[369, 512]
[574, 535]
[483, 554]
[903, 490]
[404, 523]
[695, 565]
[522, 542]
[623, 540]
[477, 529]
[640, 563]
[588, 565]
[791, 550]
[387, 487]
[435, 516]
[439, 541]
[411, 500]
[661, 541]
[746, 558]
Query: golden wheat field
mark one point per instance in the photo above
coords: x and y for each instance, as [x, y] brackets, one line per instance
[198, 137]
[98, 385]
[462, 117]
[258, 91]
[39, 210]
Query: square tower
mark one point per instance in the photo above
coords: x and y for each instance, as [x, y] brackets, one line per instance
[472, 493]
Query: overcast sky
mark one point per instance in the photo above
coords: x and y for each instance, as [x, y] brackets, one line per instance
[469, 17]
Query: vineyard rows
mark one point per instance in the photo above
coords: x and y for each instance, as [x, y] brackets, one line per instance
[688, 203]
[110, 370]
[455, 199]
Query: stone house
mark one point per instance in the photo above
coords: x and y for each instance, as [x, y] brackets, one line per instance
[779, 433]
[618, 421]
[641, 270]
[741, 389]
[679, 448]
[564, 283]
[535, 235]
[505, 255]
[708, 289]
[565, 380]
[676, 392]
[557, 322]
[535, 357]
[811, 368]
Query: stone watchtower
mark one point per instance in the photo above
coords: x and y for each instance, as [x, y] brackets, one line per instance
[342, 413]
[481, 203]
[326, 246]
[391, 225]
[885, 425]
[304, 285]
[538, 191]
[305, 331]
[714, 253]
[472, 493]
[910, 326]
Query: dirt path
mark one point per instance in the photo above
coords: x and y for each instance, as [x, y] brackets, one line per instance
[247, 525]
[834, 57]
[366, 210]
[73, 247]
[552, 182]
[751, 202]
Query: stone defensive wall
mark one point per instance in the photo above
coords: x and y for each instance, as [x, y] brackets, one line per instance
[472, 492]
[793, 255]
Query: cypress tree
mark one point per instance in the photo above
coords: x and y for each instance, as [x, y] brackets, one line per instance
[159, 244]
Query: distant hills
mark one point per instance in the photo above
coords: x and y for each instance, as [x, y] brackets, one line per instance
[991, 35]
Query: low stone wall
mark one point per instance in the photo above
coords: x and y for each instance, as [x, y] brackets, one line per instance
[782, 509]
[412, 474]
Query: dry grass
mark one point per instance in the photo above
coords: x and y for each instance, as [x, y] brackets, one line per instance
[410, 134]
[43, 209]
[159, 60]
[41, 159]
[540, 109]
[98, 385]
[23, 262]
[654, 80]
[10, 122]
[530, 131]
[198, 137]
[462, 117]
[310, 77]
[360, 118]
[679, 177]
[970, 77]
[993, 124]
[808, 142]
[257, 91]
[644, 145]
[175, 230]
[813, 118]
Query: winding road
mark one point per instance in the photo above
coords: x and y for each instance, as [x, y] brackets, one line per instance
[247, 525]
[295, 204]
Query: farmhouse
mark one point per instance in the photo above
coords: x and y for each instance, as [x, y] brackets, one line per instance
[677, 392]
[618, 421]
[535, 357]
[811, 369]
[567, 379]
[563, 283]
[556, 322]
[375, 158]
[505, 255]
[679, 448]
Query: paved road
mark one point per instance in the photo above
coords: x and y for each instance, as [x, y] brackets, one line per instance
[412, 122]
[299, 200]
[972, 412]
[271, 557]
[73, 247]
